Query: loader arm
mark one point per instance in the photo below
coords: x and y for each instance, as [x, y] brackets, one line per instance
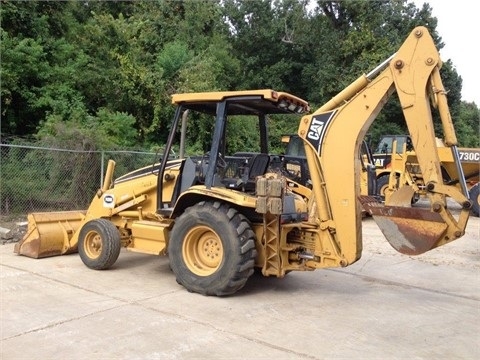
[333, 134]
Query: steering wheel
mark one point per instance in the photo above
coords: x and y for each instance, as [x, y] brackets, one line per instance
[221, 163]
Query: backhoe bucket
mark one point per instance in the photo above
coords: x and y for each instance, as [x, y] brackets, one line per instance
[410, 231]
[49, 234]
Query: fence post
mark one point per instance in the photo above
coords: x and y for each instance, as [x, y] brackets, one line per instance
[102, 163]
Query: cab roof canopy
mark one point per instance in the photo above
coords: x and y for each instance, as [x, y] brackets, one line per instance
[247, 102]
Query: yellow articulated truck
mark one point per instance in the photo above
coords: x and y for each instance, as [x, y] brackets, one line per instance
[404, 169]
[218, 221]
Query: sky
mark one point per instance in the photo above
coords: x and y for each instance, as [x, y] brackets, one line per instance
[459, 26]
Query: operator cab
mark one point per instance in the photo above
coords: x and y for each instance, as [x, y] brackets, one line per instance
[221, 113]
[382, 156]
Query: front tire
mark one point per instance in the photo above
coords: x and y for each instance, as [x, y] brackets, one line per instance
[382, 185]
[99, 244]
[212, 249]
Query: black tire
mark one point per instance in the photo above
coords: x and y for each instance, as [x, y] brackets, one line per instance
[99, 244]
[212, 249]
[415, 198]
[382, 184]
[473, 193]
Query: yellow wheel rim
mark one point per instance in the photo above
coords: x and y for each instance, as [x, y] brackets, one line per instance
[202, 251]
[383, 189]
[93, 244]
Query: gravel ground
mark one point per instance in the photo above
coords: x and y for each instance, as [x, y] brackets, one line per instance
[17, 227]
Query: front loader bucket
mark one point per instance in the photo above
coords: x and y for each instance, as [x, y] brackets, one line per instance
[410, 231]
[49, 234]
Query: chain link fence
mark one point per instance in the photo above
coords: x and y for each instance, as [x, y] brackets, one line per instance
[37, 179]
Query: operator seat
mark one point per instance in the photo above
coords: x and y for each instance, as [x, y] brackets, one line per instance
[257, 166]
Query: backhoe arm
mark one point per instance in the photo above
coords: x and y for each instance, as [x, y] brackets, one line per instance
[333, 136]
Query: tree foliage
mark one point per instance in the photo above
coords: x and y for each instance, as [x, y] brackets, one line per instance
[100, 74]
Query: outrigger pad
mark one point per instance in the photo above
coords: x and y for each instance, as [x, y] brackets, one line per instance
[410, 231]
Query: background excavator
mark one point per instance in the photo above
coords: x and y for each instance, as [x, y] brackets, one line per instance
[396, 164]
[295, 167]
[218, 217]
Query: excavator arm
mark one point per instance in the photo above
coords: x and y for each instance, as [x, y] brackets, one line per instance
[333, 136]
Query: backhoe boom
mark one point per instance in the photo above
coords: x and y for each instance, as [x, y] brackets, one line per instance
[413, 73]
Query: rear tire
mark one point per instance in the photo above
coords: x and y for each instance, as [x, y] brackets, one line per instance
[473, 193]
[212, 249]
[99, 244]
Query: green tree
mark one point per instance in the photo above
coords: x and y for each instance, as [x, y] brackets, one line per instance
[29, 32]
[23, 72]
[70, 61]
[467, 125]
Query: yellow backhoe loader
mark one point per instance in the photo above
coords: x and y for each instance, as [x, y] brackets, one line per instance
[400, 166]
[218, 219]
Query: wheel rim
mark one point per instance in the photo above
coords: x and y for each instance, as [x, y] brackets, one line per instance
[93, 244]
[202, 251]
[383, 181]
[382, 189]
